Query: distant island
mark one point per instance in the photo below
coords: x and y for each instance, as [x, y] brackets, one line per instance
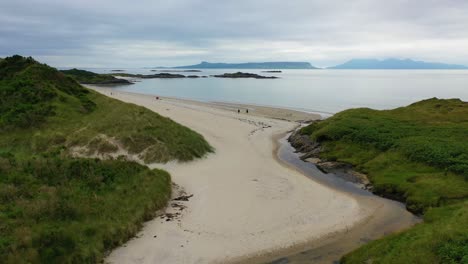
[250, 65]
[244, 75]
[176, 70]
[87, 77]
[163, 75]
[395, 64]
[354, 64]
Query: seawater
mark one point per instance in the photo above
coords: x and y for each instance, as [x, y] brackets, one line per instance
[323, 91]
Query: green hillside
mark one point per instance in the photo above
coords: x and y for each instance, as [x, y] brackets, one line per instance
[87, 77]
[417, 154]
[56, 207]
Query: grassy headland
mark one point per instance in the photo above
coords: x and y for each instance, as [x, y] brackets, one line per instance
[87, 77]
[56, 207]
[417, 154]
[162, 75]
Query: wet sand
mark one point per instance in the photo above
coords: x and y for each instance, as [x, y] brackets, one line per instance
[388, 217]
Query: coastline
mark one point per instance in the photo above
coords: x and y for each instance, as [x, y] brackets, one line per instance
[386, 216]
[270, 112]
[303, 201]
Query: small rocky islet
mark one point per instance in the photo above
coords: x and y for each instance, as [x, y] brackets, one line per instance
[176, 70]
[162, 75]
[87, 77]
[166, 75]
[244, 75]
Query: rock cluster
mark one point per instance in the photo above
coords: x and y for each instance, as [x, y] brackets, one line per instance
[311, 149]
[244, 75]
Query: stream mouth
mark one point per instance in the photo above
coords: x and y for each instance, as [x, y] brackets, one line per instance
[387, 217]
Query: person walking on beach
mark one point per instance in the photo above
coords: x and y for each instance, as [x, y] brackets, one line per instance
[246, 111]
[238, 111]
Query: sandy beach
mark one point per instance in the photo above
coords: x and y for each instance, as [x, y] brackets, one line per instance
[245, 203]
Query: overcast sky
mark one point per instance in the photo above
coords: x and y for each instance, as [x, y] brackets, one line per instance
[139, 33]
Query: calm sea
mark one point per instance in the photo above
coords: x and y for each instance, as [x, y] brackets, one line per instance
[323, 91]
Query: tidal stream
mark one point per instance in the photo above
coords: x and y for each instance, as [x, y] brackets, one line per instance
[388, 217]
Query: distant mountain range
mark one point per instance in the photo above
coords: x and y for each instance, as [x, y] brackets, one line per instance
[395, 64]
[250, 65]
[354, 64]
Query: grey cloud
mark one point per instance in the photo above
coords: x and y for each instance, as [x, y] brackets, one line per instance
[142, 33]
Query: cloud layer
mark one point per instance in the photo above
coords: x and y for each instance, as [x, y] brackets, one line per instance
[121, 33]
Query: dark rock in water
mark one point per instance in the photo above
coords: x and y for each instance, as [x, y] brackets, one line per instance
[176, 70]
[193, 76]
[244, 75]
[273, 71]
[153, 76]
[311, 153]
[162, 76]
[117, 70]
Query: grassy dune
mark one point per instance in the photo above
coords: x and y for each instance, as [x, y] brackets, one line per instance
[56, 208]
[417, 154]
[87, 77]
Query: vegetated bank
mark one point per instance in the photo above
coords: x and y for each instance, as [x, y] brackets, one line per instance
[417, 154]
[56, 207]
[87, 77]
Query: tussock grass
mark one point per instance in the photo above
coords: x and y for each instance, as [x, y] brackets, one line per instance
[58, 209]
[62, 210]
[41, 104]
[417, 154]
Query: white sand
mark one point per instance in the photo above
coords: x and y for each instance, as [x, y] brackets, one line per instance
[244, 202]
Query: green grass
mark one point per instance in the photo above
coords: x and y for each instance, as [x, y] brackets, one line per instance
[88, 77]
[55, 113]
[416, 154]
[137, 129]
[62, 210]
[442, 238]
[55, 208]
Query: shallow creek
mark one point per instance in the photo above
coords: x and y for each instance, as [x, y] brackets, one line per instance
[389, 216]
